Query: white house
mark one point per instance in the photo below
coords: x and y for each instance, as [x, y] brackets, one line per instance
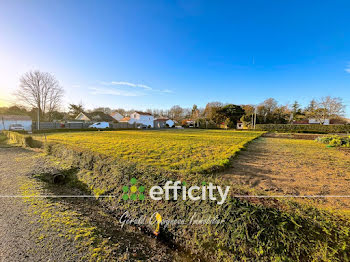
[117, 116]
[315, 121]
[143, 118]
[7, 120]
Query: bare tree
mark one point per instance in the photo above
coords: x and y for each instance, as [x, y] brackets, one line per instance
[329, 107]
[176, 113]
[40, 90]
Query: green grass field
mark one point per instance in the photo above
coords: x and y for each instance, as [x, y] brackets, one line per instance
[176, 150]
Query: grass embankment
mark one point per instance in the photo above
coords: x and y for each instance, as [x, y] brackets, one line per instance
[259, 230]
[263, 230]
[21, 139]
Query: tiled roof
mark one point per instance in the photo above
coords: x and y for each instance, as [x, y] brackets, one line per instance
[125, 119]
[161, 119]
[99, 116]
[143, 113]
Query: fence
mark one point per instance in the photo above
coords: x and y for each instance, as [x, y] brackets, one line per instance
[76, 125]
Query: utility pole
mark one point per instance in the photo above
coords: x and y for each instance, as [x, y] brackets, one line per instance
[38, 124]
[3, 123]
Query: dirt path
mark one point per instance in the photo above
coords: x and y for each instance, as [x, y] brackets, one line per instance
[54, 229]
[294, 167]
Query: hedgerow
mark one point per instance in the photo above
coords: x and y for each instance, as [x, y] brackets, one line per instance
[304, 128]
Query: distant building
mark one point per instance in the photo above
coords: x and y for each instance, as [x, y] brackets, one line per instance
[95, 117]
[311, 121]
[163, 122]
[315, 121]
[143, 118]
[7, 120]
[117, 116]
[188, 123]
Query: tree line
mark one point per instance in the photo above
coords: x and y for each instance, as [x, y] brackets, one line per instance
[40, 93]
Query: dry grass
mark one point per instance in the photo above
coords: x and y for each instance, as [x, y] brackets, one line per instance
[294, 167]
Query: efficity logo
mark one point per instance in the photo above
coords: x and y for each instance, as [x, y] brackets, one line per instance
[133, 192]
[175, 190]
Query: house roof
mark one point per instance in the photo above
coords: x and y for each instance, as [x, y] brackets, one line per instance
[161, 119]
[114, 113]
[99, 116]
[15, 117]
[143, 113]
[300, 122]
[125, 119]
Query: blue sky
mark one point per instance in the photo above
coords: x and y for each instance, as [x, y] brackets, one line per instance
[155, 54]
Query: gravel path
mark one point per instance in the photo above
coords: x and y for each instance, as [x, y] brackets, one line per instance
[18, 233]
[28, 234]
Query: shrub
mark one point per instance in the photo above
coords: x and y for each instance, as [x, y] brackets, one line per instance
[3, 138]
[321, 129]
[336, 141]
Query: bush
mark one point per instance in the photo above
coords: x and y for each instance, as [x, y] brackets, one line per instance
[321, 129]
[336, 141]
